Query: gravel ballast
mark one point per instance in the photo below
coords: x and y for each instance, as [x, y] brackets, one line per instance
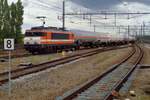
[141, 84]
[48, 84]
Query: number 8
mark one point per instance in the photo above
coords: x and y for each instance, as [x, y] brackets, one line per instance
[9, 45]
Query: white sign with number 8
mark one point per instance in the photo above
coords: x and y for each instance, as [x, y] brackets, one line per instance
[8, 44]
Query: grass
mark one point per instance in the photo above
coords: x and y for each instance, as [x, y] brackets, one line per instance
[143, 97]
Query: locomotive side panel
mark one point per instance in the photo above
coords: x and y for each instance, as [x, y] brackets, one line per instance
[85, 38]
[58, 38]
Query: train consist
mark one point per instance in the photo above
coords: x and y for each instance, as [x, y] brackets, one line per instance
[51, 39]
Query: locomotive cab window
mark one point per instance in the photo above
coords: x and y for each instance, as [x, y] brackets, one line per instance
[60, 36]
[35, 34]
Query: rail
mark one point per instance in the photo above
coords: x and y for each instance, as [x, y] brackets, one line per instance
[86, 86]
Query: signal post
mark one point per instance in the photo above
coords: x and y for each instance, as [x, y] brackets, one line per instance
[9, 46]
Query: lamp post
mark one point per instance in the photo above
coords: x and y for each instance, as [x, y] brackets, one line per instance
[94, 28]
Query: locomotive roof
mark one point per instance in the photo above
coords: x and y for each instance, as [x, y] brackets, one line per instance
[74, 31]
[46, 29]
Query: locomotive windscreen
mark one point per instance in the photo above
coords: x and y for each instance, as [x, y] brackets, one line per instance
[34, 34]
[60, 36]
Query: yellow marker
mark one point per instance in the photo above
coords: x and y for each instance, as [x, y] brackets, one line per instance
[63, 53]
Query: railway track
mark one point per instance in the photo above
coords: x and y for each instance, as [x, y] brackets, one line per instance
[107, 85]
[15, 56]
[5, 56]
[40, 67]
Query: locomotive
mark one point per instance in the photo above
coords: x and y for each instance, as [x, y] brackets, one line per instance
[51, 39]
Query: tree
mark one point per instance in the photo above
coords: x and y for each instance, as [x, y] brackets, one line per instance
[19, 19]
[6, 20]
[11, 20]
[1, 14]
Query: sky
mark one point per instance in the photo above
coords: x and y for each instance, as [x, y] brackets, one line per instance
[52, 9]
[105, 4]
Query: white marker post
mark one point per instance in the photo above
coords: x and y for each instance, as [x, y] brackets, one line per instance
[9, 46]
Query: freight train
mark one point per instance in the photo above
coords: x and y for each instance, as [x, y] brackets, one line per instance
[51, 39]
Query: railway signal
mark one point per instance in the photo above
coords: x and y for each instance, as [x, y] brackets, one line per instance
[9, 46]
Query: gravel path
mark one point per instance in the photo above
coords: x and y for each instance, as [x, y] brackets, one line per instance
[48, 84]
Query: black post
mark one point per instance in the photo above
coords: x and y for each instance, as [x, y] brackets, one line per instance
[63, 27]
[143, 28]
[115, 19]
[128, 31]
[141, 33]
[94, 28]
[90, 20]
[119, 30]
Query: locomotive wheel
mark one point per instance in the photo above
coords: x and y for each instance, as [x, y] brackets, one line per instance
[77, 47]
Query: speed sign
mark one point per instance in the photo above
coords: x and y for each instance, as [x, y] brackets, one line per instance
[9, 44]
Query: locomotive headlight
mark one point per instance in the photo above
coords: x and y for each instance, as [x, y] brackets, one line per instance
[36, 40]
[32, 40]
[36, 43]
[25, 40]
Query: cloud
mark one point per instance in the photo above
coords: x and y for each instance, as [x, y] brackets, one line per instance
[52, 8]
[34, 8]
[49, 8]
[25, 3]
[135, 7]
[97, 4]
[106, 4]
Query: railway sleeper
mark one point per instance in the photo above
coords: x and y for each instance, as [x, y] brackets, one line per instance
[28, 64]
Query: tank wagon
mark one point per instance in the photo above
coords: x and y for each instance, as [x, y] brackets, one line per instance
[51, 39]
